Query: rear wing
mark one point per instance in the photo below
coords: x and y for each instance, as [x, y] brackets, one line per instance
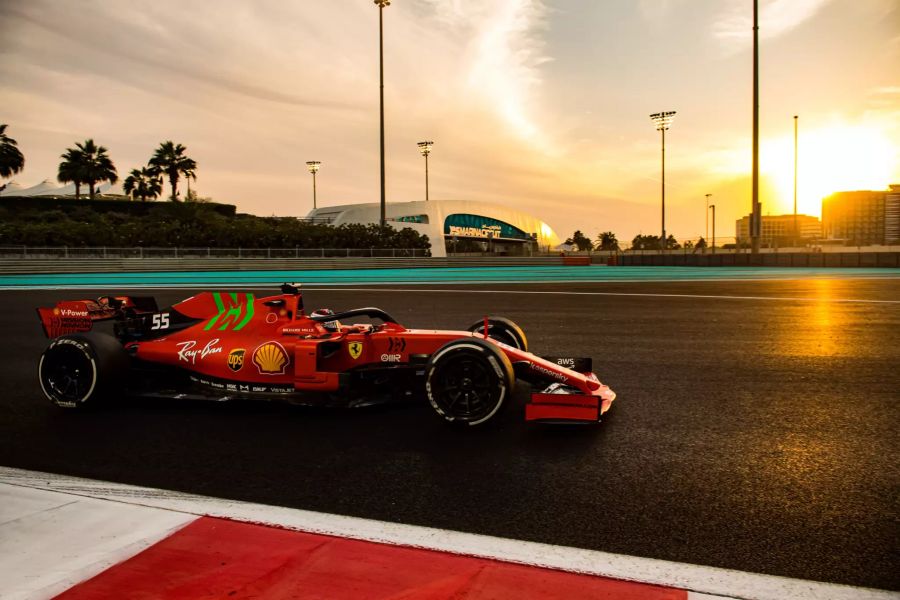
[74, 316]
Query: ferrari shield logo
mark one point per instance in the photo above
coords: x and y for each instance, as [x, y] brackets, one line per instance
[355, 349]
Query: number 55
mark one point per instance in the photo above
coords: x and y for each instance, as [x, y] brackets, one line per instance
[160, 321]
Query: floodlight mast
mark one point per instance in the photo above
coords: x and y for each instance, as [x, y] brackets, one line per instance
[796, 226]
[663, 120]
[381, 4]
[425, 149]
[313, 166]
[756, 218]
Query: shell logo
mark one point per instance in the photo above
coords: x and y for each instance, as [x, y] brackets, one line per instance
[270, 358]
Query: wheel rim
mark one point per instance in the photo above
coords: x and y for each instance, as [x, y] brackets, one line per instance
[466, 387]
[67, 374]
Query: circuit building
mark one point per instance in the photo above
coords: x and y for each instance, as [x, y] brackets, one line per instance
[780, 229]
[454, 226]
[864, 217]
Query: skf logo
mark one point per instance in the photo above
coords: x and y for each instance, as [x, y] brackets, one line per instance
[270, 358]
[236, 359]
[355, 349]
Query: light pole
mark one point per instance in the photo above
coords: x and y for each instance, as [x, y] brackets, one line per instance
[796, 228]
[713, 208]
[425, 149]
[756, 216]
[706, 239]
[381, 4]
[313, 166]
[662, 120]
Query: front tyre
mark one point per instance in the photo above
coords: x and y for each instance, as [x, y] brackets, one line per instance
[503, 330]
[82, 369]
[468, 381]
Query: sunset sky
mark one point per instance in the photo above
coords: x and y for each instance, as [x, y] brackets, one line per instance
[539, 105]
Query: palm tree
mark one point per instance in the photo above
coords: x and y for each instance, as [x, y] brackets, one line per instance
[70, 169]
[98, 166]
[11, 159]
[607, 241]
[142, 183]
[89, 164]
[171, 161]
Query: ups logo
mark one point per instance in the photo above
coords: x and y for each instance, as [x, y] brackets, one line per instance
[236, 359]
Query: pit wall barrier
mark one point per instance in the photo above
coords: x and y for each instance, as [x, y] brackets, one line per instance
[769, 259]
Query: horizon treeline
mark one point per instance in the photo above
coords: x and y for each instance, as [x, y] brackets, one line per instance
[189, 225]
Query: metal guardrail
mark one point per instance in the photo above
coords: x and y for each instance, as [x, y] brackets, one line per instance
[18, 266]
[139, 252]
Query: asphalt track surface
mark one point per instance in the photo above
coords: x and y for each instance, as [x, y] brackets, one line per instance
[755, 429]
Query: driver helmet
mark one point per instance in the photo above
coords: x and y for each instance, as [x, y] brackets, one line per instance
[328, 325]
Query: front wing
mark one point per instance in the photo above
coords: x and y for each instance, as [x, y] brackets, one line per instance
[573, 394]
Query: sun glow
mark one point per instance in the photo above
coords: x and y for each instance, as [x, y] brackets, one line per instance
[838, 157]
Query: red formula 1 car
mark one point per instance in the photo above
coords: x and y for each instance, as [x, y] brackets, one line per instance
[218, 345]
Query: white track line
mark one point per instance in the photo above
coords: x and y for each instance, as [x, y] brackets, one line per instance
[694, 578]
[573, 293]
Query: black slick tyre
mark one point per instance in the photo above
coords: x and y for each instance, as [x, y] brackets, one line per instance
[502, 330]
[82, 369]
[468, 381]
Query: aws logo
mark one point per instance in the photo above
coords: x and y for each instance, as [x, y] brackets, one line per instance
[270, 359]
[236, 359]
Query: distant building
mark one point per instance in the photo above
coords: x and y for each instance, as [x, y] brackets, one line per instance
[863, 218]
[779, 229]
[453, 226]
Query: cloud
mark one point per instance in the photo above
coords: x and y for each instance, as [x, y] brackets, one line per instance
[734, 25]
[656, 9]
[130, 44]
[888, 95]
[254, 89]
[501, 54]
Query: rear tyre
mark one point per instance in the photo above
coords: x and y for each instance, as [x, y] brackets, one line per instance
[82, 369]
[504, 331]
[468, 381]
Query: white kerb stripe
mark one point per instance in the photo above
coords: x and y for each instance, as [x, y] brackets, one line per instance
[51, 541]
[703, 580]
